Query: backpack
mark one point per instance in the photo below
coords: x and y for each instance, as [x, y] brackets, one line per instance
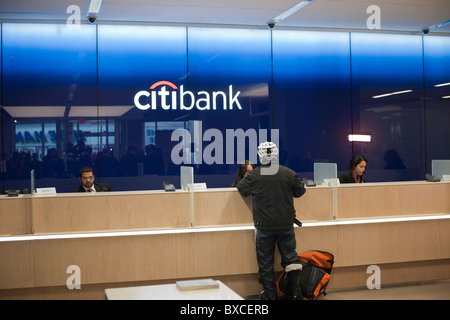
[310, 282]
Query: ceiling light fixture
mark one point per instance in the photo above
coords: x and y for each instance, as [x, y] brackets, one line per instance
[359, 138]
[271, 24]
[94, 9]
[446, 97]
[391, 94]
[442, 84]
[435, 26]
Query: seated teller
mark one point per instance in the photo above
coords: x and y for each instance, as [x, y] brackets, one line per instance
[355, 172]
[244, 167]
[86, 177]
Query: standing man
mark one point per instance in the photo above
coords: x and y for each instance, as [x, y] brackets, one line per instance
[273, 188]
[86, 177]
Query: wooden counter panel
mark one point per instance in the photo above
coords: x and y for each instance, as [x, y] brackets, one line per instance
[315, 204]
[391, 274]
[247, 285]
[322, 238]
[392, 242]
[393, 200]
[15, 215]
[230, 207]
[212, 207]
[222, 208]
[138, 258]
[16, 264]
[404, 250]
[111, 212]
[212, 253]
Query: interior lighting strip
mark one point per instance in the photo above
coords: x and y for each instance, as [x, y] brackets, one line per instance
[359, 138]
[442, 84]
[289, 12]
[391, 94]
[214, 229]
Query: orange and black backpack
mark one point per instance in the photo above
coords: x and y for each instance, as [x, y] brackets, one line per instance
[310, 282]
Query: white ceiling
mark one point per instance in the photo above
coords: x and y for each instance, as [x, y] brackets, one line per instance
[396, 15]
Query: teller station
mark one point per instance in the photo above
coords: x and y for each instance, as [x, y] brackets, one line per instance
[122, 239]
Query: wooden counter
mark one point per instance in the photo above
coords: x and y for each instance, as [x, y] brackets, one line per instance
[15, 215]
[153, 242]
[392, 199]
[77, 212]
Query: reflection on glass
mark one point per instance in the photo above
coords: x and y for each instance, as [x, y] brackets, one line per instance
[312, 93]
[437, 97]
[439, 168]
[324, 171]
[387, 100]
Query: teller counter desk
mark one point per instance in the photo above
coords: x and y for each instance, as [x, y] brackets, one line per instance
[122, 239]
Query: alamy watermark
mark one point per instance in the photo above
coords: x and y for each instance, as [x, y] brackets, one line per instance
[374, 280]
[74, 280]
[231, 148]
[374, 21]
[73, 21]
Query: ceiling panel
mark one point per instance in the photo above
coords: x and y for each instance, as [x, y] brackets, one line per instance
[396, 15]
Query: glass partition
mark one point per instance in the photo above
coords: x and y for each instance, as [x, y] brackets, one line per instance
[32, 194]
[323, 171]
[187, 182]
[311, 94]
[439, 168]
[326, 174]
[50, 72]
[186, 177]
[437, 97]
[111, 97]
[388, 104]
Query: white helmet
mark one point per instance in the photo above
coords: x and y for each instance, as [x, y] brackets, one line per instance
[267, 151]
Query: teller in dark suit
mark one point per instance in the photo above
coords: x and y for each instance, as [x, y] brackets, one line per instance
[87, 177]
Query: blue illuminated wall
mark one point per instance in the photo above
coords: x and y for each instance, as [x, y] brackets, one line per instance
[437, 97]
[218, 58]
[311, 85]
[42, 64]
[131, 58]
[315, 87]
[388, 63]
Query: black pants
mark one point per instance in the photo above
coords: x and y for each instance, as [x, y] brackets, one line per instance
[265, 250]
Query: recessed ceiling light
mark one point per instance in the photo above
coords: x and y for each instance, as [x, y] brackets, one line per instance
[359, 138]
[289, 12]
[94, 6]
[391, 94]
[442, 84]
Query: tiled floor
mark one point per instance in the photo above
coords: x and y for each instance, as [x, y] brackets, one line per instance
[439, 290]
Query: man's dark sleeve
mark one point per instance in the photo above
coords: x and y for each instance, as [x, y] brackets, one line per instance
[298, 188]
[244, 186]
[78, 189]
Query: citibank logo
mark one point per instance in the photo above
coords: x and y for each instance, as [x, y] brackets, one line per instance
[166, 95]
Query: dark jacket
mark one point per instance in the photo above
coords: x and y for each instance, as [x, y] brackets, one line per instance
[347, 177]
[272, 197]
[99, 187]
